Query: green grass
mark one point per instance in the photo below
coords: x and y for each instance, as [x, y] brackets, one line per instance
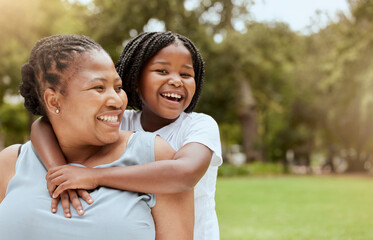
[295, 208]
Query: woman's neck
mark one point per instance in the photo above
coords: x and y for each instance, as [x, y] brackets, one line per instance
[92, 155]
[80, 154]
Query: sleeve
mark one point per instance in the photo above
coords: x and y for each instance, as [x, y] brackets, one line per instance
[204, 129]
[125, 123]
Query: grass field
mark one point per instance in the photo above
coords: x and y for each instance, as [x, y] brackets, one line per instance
[295, 208]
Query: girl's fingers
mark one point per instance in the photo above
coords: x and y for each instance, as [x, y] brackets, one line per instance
[51, 187]
[59, 190]
[51, 176]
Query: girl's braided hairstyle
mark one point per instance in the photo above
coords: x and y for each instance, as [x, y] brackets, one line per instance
[140, 50]
[49, 58]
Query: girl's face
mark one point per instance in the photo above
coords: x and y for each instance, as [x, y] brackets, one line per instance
[167, 83]
[92, 107]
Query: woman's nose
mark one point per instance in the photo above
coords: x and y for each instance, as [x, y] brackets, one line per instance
[115, 99]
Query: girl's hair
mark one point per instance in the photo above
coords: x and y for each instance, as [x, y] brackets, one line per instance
[49, 58]
[140, 50]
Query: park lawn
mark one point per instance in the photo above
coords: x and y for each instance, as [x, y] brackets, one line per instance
[295, 208]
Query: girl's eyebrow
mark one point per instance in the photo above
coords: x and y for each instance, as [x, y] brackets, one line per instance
[167, 63]
[188, 66]
[161, 62]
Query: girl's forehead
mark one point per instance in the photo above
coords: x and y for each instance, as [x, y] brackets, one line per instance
[172, 49]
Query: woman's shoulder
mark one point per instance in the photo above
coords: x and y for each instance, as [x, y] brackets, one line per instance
[8, 160]
[162, 149]
[9, 155]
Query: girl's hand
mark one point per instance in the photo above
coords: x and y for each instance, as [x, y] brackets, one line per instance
[69, 177]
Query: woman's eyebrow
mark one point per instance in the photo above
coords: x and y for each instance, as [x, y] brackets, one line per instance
[97, 79]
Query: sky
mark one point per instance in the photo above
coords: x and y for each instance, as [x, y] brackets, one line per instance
[297, 13]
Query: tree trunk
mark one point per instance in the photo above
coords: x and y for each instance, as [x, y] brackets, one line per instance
[328, 166]
[246, 111]
[355, 165]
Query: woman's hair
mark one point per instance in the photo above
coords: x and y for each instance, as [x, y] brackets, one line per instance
[140, 50]
[49, 58]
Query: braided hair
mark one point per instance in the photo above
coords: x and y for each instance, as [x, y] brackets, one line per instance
[49, 58]
[140, 50]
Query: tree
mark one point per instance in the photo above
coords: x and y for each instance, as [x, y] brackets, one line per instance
[22, 23]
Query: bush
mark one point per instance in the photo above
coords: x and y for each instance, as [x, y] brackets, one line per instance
[13, 123]
[255, 168]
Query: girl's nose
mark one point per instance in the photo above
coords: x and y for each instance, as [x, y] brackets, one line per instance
[176, 81]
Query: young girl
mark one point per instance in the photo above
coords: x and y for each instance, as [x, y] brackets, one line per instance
[162, 74]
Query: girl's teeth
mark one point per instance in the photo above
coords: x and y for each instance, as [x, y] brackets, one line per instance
[174, 95]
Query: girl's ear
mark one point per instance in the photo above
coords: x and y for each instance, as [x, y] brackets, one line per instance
[51, 99]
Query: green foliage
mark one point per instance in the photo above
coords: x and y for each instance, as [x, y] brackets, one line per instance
[253, 169]
[13, 124]
[22, 23]
[228, 170]
[310, 93]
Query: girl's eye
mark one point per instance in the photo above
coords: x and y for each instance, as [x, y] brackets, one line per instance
[186, 75]
[161, 71]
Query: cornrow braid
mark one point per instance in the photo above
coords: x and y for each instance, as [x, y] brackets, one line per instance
[49, 58]
[140, 50]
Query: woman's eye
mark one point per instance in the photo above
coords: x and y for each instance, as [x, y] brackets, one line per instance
[118, 89]
[98, 88]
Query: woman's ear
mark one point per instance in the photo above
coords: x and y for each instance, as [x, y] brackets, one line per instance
[51, 99]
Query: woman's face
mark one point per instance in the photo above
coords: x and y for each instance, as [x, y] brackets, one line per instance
[92, 106]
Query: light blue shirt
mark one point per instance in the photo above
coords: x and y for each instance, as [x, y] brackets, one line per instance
[25, 211]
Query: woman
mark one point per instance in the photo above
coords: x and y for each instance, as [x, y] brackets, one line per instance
[72, 81]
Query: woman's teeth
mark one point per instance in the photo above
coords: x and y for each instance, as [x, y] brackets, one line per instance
[108, 118]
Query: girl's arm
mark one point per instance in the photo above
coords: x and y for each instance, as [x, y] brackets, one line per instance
[8, 159]
[46, 145]
[167, 176]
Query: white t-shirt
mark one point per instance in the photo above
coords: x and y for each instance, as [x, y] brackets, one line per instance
[199, 128]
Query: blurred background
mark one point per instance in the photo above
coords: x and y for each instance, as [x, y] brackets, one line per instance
[290, 99]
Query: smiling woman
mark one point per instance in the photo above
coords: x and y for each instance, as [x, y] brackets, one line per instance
[71, 81]
[97, 88]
